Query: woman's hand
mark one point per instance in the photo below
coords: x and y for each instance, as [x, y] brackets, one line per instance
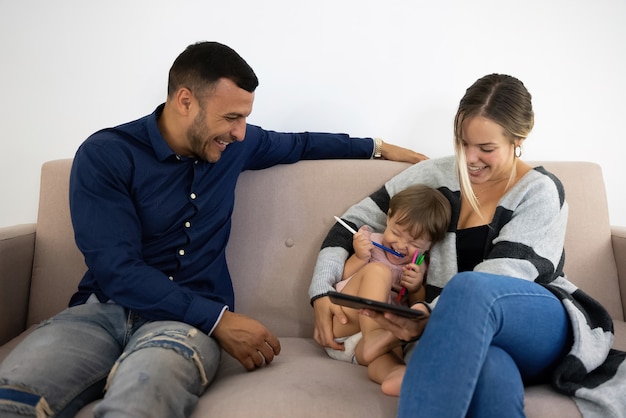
[325, 310]
[405, 329]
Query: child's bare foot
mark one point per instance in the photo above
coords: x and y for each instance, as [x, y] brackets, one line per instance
[376, 343]
[393, 382]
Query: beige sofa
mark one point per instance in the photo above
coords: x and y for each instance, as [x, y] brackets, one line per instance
[280, 219]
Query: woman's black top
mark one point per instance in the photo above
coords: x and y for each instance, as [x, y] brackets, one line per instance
[470, 246]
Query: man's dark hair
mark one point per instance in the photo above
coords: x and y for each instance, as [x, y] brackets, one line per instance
[202, 64]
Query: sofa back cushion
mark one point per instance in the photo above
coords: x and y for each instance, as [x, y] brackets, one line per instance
[281, 217]
[272, 285]
[58, 266]
[589, 259]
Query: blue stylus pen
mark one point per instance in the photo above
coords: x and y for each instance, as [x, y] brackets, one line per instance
[382, 247]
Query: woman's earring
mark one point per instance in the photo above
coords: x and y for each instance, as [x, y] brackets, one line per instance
[518, 151]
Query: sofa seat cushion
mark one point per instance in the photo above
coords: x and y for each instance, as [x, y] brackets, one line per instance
[301, 382]
[542, 401]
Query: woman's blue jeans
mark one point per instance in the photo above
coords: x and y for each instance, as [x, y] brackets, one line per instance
[152, 369]
[487, 337]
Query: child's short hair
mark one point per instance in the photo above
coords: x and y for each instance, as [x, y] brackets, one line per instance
[424, 208]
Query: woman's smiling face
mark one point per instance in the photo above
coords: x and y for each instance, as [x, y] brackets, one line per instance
[488, 152]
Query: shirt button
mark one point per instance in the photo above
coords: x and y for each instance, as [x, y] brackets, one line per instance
[187, 224]
[171, 278]
[192, 196]
[181, 252]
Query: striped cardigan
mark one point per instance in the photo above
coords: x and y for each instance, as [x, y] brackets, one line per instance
[525, 241]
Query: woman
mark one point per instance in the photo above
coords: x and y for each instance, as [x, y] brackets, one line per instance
[503, 312]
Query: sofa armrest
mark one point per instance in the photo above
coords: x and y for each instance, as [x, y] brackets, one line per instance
[17, 248]
[618, 235]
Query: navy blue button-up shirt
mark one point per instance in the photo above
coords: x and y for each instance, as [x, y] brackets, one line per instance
[153, 226]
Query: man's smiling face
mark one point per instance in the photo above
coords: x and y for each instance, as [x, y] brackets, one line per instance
[219, 121]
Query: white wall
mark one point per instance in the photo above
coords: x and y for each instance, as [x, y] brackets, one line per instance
[395, 69]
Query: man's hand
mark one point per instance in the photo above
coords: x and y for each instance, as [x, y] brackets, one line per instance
[247, 340]
[324, 312]
[396, 153]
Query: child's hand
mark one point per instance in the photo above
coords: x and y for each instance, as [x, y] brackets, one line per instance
[362, 243]
[413, 277]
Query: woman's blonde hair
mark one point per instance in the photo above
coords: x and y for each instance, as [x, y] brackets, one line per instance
[502, 99]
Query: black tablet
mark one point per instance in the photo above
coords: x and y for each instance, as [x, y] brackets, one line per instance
[356, 302]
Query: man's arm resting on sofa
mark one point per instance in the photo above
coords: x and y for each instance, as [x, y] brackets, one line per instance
[618, 234]
[17, 248]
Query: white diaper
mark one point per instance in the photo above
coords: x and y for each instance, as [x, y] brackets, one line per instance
[349, 345]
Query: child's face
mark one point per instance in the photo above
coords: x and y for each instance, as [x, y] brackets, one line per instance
[399, 238]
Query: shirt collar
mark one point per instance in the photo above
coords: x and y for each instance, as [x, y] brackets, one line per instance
[161, 148]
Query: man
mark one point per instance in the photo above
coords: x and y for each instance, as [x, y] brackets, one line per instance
[151, 202]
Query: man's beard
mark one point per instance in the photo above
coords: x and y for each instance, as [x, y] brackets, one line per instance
[196, 136]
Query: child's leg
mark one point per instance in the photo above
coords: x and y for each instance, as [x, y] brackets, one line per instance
[374, 283]
[349, 334]
[375, 343]
[393, 382]
[383, 370]
[352, 326]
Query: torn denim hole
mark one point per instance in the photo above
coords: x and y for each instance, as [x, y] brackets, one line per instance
[174, 340]
[21, 400]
